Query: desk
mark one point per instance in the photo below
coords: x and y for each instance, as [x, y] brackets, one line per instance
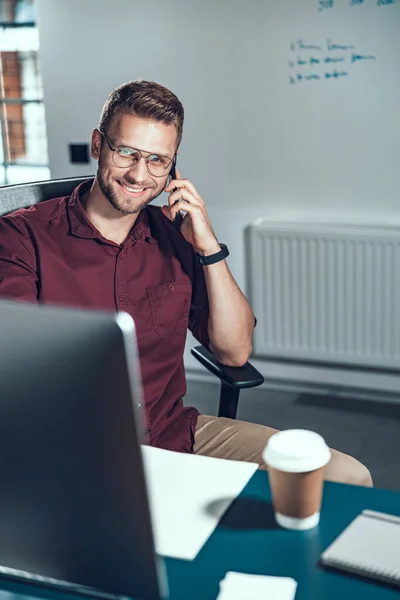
[249, 541]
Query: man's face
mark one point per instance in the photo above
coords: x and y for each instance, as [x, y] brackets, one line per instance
[151, 137]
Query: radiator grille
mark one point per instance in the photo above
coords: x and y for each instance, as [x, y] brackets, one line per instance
[327, 294]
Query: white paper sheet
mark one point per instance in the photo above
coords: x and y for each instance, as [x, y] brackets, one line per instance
[241, 586]
[188, 494]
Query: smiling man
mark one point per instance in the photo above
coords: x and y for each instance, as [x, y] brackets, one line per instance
[104, 247]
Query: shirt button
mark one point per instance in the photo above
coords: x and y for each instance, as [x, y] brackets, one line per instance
[122, 297]
[139, 405]
[171, 287]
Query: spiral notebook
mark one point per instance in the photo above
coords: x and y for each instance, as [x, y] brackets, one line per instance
[369, 546]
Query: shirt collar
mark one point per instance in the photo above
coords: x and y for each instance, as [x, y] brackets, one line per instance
[81, 226]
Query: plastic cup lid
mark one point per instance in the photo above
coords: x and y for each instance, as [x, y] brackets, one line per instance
[296, 451]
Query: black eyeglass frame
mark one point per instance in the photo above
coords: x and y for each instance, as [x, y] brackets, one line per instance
[167, 170]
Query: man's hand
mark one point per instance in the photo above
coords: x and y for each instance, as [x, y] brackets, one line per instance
[196, 227]
[230, 321]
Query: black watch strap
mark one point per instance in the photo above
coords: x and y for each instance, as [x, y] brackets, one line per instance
[214, 258]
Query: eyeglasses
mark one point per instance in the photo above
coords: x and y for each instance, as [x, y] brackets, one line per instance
[125, 156]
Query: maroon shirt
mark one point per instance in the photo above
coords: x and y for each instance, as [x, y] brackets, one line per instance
[50, 253]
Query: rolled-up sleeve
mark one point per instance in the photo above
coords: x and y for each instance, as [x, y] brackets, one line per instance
[18, 265]
[199, 310]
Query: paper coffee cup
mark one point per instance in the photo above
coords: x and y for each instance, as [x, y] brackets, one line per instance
[296, 459]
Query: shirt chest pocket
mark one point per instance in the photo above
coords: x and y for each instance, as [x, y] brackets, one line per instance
[170, 307]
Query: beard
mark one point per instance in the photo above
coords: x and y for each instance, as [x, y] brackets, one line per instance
[124, 205]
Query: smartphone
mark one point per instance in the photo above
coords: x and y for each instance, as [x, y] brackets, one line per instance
[178, 218]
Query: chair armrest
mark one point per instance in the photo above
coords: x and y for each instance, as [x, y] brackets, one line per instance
[238, 377]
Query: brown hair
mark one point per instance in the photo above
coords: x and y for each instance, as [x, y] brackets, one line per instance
[146, 99]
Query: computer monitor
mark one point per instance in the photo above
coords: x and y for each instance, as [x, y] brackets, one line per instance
[73, 503]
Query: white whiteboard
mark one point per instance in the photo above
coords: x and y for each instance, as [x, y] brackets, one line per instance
[315, 143]
[332, 129]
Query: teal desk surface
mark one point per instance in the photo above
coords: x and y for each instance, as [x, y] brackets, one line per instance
[248, 540]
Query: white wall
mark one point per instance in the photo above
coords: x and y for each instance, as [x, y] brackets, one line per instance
[254, 145]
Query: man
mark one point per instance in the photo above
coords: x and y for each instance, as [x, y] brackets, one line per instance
[104, 247]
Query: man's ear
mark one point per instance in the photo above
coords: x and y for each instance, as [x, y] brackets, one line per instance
[96, 144]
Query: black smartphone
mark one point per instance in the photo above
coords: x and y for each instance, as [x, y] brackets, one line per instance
[178, 218]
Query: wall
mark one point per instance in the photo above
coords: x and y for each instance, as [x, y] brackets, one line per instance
[254, 144]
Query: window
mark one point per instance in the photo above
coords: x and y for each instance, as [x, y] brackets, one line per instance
[23, 141]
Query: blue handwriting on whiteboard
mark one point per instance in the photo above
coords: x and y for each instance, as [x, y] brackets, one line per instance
[331, 59]
[332, 46]
[302, 46]
[325, 4]
[336, 53]
[336, 74]
[300, 77]
[356, 57]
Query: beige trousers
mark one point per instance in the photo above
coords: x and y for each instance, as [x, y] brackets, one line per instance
[239, 440]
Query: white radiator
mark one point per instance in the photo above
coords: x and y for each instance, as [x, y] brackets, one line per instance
[326, 293]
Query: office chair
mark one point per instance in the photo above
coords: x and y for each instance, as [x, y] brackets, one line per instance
[233, 379]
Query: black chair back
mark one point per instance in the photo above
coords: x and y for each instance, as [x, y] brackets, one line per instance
[23, 195]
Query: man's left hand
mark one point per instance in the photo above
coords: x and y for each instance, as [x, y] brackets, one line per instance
[196, 227]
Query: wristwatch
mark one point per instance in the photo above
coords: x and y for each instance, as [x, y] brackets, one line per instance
[214, 258]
